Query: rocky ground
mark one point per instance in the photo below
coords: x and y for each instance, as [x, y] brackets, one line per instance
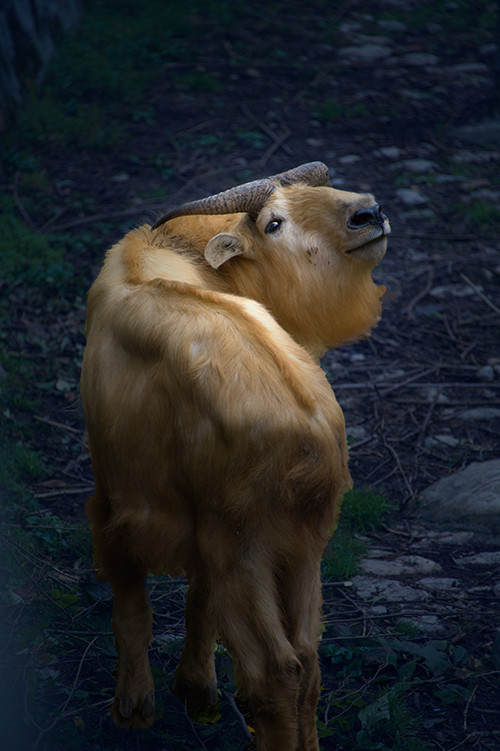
[399, 98]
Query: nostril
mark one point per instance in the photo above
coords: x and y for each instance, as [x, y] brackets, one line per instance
[364, 217]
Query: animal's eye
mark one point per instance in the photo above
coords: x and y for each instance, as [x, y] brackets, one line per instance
[273, 225]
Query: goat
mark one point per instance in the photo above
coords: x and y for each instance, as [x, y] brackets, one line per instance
[217, 444]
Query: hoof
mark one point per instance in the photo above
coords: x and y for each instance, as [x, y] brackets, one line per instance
[128, 713]
[201, 702]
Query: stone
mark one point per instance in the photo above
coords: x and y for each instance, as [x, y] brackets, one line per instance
[469, 499]
[485, 133]
[427, 623]
[391, 152]
[486, 373]
[350, 159]
[419, 59]
[367, 53]
[486, 558]
[411, 197]
[405, 564]
[356, 433]
[481, 413]
[473, 68]
[433, 537]
[390, 590]
[441, 439]
[441, 584]
[392, 26]
[419, 166]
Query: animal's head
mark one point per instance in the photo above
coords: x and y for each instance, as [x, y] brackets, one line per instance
[302, 248]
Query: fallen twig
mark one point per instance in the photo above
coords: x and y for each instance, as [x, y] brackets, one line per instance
[65, 491]
[19, 203]
[60, 425]
[423, 293]
[428, 416]
[479, 293]
[62, 715]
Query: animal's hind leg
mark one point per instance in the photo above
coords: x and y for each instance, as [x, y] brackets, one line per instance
[133, 705]
[267, 670]
[195, 679]
[301, 598]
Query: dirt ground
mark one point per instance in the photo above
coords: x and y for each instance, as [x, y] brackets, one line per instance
[382, 103]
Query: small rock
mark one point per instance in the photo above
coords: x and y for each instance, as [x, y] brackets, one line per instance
[420, 565]
[378, 610]
[350, 159]
[121, 177]
[356, 433]
[369, 588]
[391, 152]
[486, 133]
[367, 53]
[350, 27]
[411, 197]
[316, 142]
[419, 59]
[476, 157]
[441, 584]
[427, 623]
[434, 538]
[395, 374]
[487, 558]
[485, 194]
[419, 166]
[390, 25]
[441, 438]
[416, 95]
[469, 499]
[63, 386]
[486, 373]
[467, 68]
[446, 179]
[411, 564]
[357, 357]
[433, 393]
[475, 184]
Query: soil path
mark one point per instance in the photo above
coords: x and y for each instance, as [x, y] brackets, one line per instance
[384, 104]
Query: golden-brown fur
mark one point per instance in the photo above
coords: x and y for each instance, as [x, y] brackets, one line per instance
[218, 447]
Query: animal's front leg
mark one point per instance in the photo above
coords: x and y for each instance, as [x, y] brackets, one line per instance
[133, 706]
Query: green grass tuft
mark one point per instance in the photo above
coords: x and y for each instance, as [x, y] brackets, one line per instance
[362, 511]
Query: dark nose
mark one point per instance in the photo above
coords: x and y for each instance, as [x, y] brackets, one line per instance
[365, 217]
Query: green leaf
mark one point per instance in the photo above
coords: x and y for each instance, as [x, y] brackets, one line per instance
[452, 694]
[459, 655]
[372, 714]
[406, 671]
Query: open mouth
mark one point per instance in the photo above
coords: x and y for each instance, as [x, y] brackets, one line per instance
[372, 250]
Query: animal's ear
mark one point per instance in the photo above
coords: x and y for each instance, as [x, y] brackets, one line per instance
[222, 247]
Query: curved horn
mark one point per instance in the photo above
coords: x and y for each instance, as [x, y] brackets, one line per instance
[250, 197]
[312, 173]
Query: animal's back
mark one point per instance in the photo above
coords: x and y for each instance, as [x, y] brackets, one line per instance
[195, 398]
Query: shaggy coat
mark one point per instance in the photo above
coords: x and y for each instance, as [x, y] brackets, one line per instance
[218, 446]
